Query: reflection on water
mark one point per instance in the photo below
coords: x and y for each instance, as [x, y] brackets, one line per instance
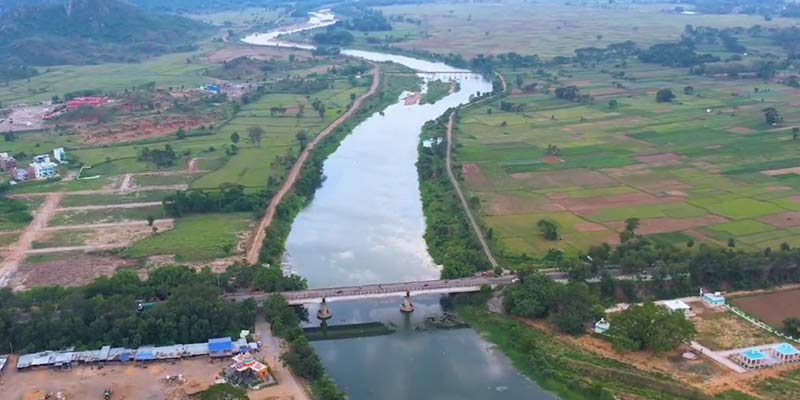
[415, 363]
[365, 225]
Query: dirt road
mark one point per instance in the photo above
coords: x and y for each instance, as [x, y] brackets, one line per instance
[102, 191]
[271, 351]
[17, 251]
[110, 206]
[291, 177]
[157, 222]
[464, 204]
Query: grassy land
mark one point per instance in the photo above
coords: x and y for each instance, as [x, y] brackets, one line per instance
[437, 90]
[63, 239]
[106, 216]
[195, 238]
[567, 371]
[541, 27]
[692, 167]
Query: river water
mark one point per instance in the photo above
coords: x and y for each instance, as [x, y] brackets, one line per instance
[365, 225]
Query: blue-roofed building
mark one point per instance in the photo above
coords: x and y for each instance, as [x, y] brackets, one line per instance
[144, 354]
[211, 88]
[714, 299]
[220, 347]
[785, 353]
[752, 358]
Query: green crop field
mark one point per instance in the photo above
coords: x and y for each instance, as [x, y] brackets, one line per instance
[688, 169]
[196, 238]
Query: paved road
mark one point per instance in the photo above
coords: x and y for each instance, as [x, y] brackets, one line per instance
[291, 177]
[379, 290]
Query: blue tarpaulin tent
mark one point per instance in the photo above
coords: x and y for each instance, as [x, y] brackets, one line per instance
[220, 347]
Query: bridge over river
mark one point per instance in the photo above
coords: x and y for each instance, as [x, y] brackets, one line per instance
[402, 289]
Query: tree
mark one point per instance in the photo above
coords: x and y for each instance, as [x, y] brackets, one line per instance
[731, 242]
[235, 137]
[665, 96]
[181, 133]
[573, 308]
[632, 224]
[795, 133]
[688, 90]
[548, 228]
[772, 116]
[533, 297]
[650, 327]
[255, 133]
[791, 327]
[150, 220]
[613, 104]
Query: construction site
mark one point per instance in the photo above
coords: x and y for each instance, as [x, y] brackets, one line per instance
[166, 372]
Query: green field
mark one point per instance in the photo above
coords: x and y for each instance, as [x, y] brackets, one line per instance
[691, 167]
[547, 28]
[196, 238]
[106, 216]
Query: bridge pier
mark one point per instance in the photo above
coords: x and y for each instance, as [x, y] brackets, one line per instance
[324, 312]
[407, 306]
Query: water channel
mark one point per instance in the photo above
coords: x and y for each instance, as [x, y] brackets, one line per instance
[365, 225]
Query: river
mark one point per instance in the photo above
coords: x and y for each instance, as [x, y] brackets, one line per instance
[365, 225]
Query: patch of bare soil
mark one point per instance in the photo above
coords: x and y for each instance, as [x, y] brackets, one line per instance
[782, 171]
[652, 226]
[772, 308]
[136, 129]
[784, 220]
[552, 159]
[473, 175]
[509, 204]
[742, 130]
[591, 204]
[662, 186]
[75, 271]
[412, 99]
[565, 178]
[660, 158]
[127, 382]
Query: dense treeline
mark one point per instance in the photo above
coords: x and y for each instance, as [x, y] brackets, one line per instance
[362, 18]
[160, 158]
[450, 239]
[189, 309]
[333, 37]
[229, 198]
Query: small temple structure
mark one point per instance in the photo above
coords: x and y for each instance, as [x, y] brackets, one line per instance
[248, 372]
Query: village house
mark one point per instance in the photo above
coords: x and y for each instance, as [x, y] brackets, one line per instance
[7, 162]
[42, 167]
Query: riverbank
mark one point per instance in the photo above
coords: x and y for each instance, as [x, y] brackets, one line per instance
[451, 242]
[310, 177]
[569, 372]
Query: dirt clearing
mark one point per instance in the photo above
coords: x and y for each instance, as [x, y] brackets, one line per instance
[67, 271]
[593, 204]
[742, 130]
[719, 329]
[782, 171]
[136, 129]
[26, 118]
[257, 52]
[473, 175]
[784, 220]
[772, 308]
[565, 178]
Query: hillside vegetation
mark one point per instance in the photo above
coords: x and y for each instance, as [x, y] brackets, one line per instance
[91, 32]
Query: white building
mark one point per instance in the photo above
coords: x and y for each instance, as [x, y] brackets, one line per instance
[60, 155]
[676, 306]
[602, 326]
[713, 299]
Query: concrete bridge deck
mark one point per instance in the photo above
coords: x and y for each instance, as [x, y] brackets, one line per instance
[315, 296]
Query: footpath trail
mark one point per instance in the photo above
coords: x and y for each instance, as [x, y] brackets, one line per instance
[17, 251]
[291, 177]
[472, 222]
[110, 206]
